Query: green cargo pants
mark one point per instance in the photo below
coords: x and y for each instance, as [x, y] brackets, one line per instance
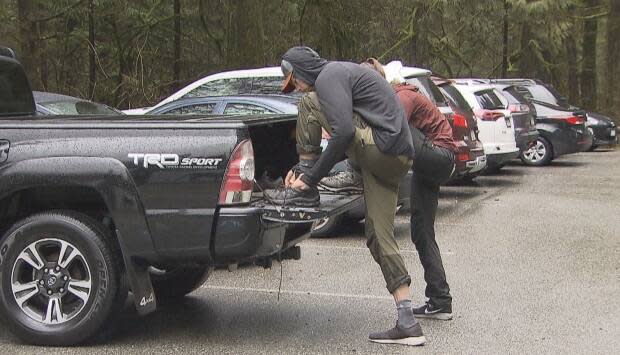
[381, 174]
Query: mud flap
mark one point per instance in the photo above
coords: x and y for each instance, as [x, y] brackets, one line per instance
[332, 204]
[139, 280]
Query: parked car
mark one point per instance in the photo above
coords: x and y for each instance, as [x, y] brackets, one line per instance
[90, 207]
[495, 122]
[268, 80]
[470, 159]
[602, 128]
[48, 103]
[463, 113]
[230, 105]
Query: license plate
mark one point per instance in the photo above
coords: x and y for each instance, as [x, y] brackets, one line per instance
[613, 133]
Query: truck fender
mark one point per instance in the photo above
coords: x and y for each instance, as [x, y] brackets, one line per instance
[112, 180]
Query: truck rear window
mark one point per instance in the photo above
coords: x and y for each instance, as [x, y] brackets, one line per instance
[15, 95]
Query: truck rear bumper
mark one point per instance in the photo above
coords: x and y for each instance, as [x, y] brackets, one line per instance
[243, 234]
[263, 229]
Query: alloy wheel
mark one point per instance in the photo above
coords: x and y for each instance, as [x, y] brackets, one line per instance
[536, 153]
[51, 281]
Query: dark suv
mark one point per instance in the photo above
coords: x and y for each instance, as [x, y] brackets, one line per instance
[602, 128]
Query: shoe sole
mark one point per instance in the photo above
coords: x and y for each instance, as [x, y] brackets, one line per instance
[438, 316]
[411, 341]
[343, 189]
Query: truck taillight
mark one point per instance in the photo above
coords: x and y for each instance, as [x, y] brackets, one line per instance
[487, 115]
[459, 120]
[238, 181]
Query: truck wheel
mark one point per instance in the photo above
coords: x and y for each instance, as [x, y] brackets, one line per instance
[177, 282]
[539, 154]
[60, 279]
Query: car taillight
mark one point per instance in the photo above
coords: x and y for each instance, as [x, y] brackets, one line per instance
[459, 120]
[487, 115]
[571, 120]
[238, 181]
[518, 108]
[463, 157]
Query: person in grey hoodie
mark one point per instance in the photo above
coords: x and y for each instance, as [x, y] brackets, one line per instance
[360, 111]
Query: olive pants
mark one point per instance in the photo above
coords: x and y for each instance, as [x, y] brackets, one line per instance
[381, 174]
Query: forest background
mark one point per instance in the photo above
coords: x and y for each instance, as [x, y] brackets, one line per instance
[135, 53]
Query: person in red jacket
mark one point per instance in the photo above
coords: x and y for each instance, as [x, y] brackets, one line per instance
[433, 165]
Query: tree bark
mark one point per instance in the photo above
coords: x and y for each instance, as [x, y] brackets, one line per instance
[246, 47]
[588, 66]
[30, 53]
[505, 41]
[572, 74]
[92, 65]
[613, 54]
[176, 80]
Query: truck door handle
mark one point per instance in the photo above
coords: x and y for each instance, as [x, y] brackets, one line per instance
[4, 150]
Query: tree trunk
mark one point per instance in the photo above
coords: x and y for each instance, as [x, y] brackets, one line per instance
[588, 66]
[176, 81]
[30, 53]
[505, 41]
[613, 54]
[572, 74]
[92, 65]
[247, 46]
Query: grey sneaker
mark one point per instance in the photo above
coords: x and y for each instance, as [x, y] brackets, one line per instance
[405, 336]
[344, 181]
[428, 310]
[292, 197]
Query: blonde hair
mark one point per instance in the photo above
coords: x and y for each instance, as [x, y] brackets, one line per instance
[373, 63]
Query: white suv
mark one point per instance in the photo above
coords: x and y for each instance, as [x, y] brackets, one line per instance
[495, 122]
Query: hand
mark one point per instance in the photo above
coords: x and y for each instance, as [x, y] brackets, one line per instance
[299, 184]
[290, 178]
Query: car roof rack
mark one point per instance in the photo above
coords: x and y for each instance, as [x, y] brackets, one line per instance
[7, 52]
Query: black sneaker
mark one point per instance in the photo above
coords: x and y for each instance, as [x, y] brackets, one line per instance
[397, 335]
[431, 311]
[344, 181]
[292, 197]
[265, 182]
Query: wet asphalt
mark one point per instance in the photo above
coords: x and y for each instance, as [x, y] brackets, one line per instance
[532, 256]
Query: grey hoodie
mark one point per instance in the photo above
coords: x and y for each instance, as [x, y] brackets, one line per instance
[344, 88]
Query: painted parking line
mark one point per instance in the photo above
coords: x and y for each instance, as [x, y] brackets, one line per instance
[293, 292]
[315, 246]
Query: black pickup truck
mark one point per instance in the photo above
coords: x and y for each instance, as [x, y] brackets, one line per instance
[94, 207]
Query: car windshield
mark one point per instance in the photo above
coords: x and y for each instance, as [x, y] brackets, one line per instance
[266, 85]
[78, 108]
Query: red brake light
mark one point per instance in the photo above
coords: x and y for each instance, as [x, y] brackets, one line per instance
[238, 181]
[518, 108]
[459, 120]
[487, 115]
[463, 157]
[571, 120]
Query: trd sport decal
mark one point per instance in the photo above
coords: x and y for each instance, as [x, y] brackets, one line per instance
[173, 161]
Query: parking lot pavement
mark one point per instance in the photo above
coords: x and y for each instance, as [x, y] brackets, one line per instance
[532, 256]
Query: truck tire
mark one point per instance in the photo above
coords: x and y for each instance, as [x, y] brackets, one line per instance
[60, 279]
[175, 283]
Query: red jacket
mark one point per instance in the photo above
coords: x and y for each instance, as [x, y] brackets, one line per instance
[425, 116]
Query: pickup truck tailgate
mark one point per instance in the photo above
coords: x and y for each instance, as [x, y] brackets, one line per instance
[331, 205]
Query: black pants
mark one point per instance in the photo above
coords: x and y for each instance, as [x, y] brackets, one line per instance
[432, 167]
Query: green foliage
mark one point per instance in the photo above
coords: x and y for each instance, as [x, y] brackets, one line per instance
[134, 40]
